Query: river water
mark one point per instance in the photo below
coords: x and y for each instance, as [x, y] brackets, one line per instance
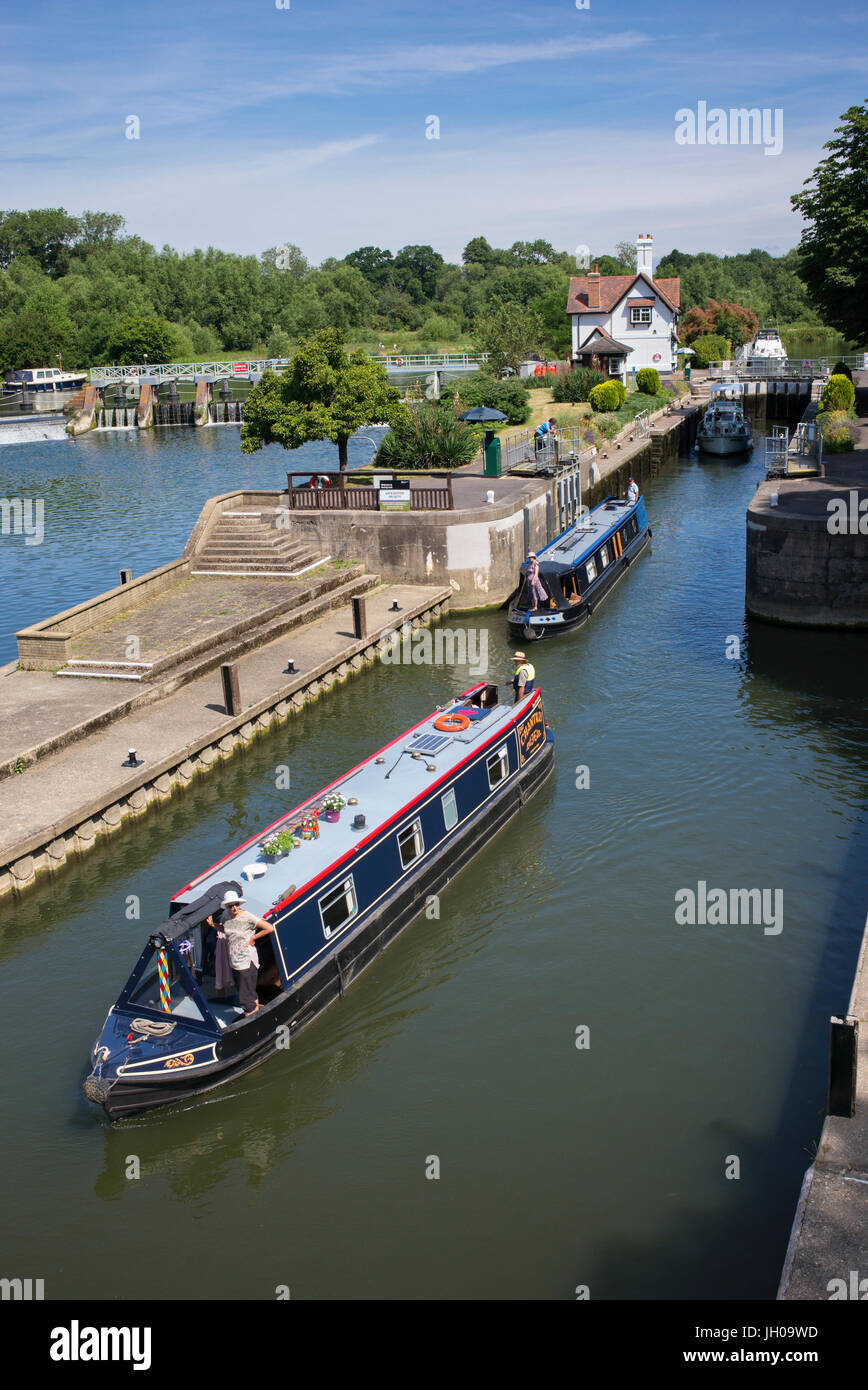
[661, 1161]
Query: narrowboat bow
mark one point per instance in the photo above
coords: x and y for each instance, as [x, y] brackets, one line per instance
[579, 568]
[414, 815]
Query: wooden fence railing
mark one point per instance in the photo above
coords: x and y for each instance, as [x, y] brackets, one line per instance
[356, 492]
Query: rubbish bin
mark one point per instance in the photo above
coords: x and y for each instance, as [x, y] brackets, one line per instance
[492, 457]
[687, 371]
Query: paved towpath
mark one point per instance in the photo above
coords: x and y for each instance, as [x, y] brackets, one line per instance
[61, 786]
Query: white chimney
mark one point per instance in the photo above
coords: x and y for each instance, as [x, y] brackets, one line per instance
[645, 255]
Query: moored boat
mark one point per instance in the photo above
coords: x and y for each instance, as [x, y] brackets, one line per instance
[43, 379]
[724, 428]
[766, 349]
[579, 568]
[413, 815]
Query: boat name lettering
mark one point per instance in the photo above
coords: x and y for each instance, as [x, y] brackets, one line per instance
[531, 733]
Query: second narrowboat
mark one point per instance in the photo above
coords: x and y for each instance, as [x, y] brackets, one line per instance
[575, 571]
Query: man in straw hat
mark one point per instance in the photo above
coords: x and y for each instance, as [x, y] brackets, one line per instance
[522, 681]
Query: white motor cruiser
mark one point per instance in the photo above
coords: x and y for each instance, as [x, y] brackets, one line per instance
[724, 429]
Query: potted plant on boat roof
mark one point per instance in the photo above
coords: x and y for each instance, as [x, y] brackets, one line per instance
[332, 806]
[279, 844]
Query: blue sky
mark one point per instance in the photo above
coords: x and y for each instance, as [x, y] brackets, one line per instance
[261, 125]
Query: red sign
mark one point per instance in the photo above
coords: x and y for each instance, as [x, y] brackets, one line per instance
[239, 368]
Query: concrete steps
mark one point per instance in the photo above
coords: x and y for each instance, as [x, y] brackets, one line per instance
[253, 542]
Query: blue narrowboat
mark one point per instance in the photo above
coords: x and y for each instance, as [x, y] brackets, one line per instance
[414, 815]
[579, 568]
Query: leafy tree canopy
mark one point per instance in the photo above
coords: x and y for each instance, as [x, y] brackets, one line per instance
[833, 251]
[322, 394]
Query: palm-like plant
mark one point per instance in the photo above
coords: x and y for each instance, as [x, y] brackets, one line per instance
[429, 435]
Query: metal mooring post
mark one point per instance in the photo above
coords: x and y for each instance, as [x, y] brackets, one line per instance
[231, 687]
[843, 1050]
[360, 620]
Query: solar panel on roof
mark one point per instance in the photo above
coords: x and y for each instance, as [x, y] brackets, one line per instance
[429, 743]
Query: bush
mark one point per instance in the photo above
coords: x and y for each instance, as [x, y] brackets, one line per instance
[839, 434]
[429, 435]
[440, 329]
[509, 396]
[609, 395]
[841, 369]
[278, 343]
[576, 385]
[839, 393]
[711, 347]
[608, 428]
[648, 381]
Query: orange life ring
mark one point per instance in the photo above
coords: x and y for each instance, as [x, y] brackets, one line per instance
[399, 361]
[452, 723]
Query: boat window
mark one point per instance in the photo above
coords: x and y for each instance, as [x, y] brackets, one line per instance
[40, 376]
[591, 571]
[410, 843]
[498, 767]
[337, 907]
[450, 809]
[162, 987]
[604, 556]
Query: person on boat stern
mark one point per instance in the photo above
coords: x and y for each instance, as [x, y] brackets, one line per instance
[523, 680]
[534, 583]
[238, 928]
[632, 491]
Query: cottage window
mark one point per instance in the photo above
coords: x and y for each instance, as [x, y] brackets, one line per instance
[640, 315]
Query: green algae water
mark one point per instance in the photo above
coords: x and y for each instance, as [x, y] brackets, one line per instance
[439, 1133]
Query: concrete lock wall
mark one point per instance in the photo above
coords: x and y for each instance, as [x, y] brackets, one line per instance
[480, 554]
[796, 572]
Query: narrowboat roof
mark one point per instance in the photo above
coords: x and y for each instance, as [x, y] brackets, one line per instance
[582, 538]
[385, 785]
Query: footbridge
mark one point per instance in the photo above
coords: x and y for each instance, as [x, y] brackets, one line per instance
[251, 369]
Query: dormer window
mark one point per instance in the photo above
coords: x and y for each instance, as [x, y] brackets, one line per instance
[639, 314]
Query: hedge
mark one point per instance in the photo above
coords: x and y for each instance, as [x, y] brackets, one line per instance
[576, 385]
[609, 395]
[839, 393]
[648, 381]
[509, 396]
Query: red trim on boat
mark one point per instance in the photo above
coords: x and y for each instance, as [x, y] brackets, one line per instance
[289, 814]
[534, 697]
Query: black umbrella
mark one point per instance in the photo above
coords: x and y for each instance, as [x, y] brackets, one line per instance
[481, 414]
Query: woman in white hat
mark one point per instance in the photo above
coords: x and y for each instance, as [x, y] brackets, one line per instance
[240, 929]
[534, 583]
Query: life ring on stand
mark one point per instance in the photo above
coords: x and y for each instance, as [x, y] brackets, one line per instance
[452, 723]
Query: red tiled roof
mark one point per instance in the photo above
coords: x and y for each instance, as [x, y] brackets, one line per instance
[614, 287]
[598, 340]
[640, 303]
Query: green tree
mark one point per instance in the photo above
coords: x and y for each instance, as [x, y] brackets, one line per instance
[430, 435]
[322, 394]
[834, 245]
[507, 332]
[37, 332]
[131, 338]
[45, 234]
